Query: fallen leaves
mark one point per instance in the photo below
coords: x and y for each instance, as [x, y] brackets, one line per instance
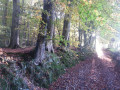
[93, 74]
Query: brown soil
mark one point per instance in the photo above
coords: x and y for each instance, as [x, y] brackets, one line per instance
[92, 74]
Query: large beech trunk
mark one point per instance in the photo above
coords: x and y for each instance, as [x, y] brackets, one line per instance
[14, 40]
[40, 45]
[40, 49]
[50, 27]
[66, 29]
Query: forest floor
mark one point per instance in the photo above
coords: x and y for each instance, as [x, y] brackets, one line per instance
[14, 51]
[15, 54]
[93, 74]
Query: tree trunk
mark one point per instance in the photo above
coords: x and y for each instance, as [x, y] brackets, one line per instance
[85, 39]
[28, 35]
[40, 49]
[66, 30]
[40, 45]
[4, 19]
[80, 35]
[66, 27]
[14, 40]
[23, 4]
[54, 33]
[50, 27]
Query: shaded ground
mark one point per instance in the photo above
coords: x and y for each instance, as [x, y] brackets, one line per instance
[93, 74]
[17, 55]
[7, 54]
[15, 51]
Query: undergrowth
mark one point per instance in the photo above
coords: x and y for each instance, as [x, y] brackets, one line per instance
[9, 79]
[42, 75]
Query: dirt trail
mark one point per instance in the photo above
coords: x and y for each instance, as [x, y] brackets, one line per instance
[7, 54]
[93, 74]
[15, 51]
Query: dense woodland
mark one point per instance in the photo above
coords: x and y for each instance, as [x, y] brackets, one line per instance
[41, 39]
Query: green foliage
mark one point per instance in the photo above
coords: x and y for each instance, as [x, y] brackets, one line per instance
[97, 12]
[68, 58]
[61, 39]
[43, 75]
[9, 80]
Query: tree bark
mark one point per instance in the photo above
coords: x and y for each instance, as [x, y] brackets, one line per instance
[14, 40]
[28, 35]
[54, 34]
[66, 29]
[50, 26]
[4, 19]
[80, 37]
[40, 45]
[85, 39]
[80, 31]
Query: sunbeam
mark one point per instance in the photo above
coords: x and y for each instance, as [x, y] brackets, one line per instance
[99, 49]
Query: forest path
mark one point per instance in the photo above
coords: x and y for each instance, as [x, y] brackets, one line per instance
[7, 54]
[93, 74]
[15, 51]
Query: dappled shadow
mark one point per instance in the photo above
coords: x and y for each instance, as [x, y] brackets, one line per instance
[94, 73]
[7, 54]
[15, 51]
